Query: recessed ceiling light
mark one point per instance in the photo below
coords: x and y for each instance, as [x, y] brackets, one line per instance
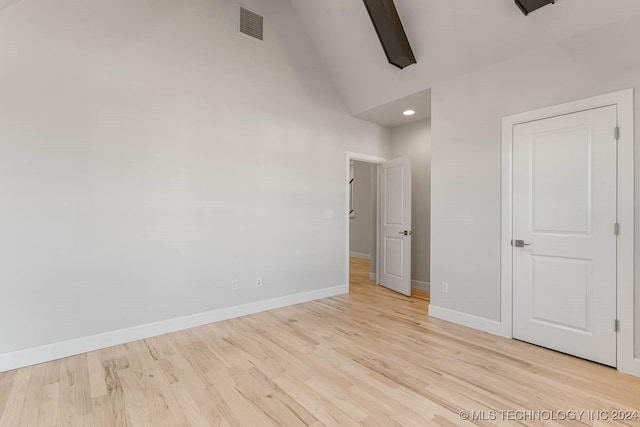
[409, 113]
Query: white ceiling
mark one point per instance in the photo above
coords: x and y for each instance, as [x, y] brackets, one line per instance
[449, 38]
[390, 114]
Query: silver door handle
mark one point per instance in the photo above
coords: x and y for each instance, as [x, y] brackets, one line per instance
[520, 243]
[405, 233]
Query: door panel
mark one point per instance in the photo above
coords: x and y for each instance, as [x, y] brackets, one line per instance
[564, 209]
[394, 184]
[395, 244]
[561, 181]
[393, 262]
[554, 282]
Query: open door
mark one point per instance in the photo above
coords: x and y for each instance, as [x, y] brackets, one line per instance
[394, 261]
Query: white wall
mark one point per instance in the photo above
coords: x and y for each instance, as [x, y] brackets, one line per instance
[149, 154]
[465, 245]
[361, 238]
[414, 139]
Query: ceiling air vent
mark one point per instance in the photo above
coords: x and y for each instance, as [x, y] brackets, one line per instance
[251, 23]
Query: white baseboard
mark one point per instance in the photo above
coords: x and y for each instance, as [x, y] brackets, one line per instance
[46, 353]
[423, 286]
[469, 320]
[373, 277]
[631, 367]
[359, 255]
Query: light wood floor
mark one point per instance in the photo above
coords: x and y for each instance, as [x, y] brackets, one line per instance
[371, 357]
[359, 275]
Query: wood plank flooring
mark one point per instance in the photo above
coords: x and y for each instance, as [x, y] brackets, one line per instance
[371, 358]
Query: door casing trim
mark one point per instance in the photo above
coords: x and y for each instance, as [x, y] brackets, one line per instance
[627, 361]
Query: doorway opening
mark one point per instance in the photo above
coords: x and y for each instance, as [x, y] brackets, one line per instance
[388, 206]
[363, 216]
[362, 206]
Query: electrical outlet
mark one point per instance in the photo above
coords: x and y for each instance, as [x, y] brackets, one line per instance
[445, 288]
[234, 285]
[259, 281]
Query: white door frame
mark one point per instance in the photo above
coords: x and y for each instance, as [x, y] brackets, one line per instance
[359, 157]
[623, 100]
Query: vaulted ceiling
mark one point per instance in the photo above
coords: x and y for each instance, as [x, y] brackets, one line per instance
[7, 3]
[449, 37]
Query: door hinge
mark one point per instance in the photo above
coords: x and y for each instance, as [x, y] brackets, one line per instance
[616, 228]
[617, 133]
[616, 325]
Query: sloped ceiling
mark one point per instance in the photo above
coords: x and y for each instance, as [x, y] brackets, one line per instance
[449, 38]
[7, 3]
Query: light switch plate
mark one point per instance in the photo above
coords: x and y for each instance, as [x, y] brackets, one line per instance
[328, 214]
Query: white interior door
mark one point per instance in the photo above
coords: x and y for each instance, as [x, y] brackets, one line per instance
[564, 247]
[395, 225]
